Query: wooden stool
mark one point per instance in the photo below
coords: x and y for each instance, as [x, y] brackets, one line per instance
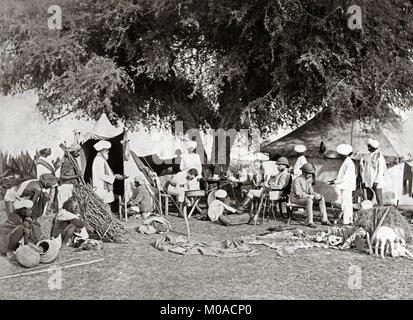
[196, 194]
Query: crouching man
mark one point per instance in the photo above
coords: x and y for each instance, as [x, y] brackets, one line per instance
[16, 227]
[68, 223]
[302, 193]
[142, 200]
[217, 207]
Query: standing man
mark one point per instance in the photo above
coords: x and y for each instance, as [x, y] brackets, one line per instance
[102, 175]
[372, 169]
[68, 176]
[301, 160]
[44, 165]
[346, 182]
[302, 193]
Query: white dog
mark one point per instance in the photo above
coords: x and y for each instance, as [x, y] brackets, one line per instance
[391, 237]
[385, 235]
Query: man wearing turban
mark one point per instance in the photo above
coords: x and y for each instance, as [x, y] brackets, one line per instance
[372, 169]
[68, 176]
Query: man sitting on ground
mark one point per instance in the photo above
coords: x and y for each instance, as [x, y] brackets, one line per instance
[34, 190]
[68, 223]
[302, 193]
[217, 207]
[16, 227]
[142, 200]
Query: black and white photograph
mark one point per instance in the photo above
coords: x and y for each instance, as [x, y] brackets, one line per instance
[232, 151]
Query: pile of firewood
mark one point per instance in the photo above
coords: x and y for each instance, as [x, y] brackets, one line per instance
[97, 215]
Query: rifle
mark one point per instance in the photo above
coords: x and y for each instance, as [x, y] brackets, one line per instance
[73, 162]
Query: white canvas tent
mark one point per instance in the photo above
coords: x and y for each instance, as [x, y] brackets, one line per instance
[103, 130]
[120, 159]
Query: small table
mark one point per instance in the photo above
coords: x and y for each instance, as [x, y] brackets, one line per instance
[196, 195]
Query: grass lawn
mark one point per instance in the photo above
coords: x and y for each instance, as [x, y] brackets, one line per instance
[136, 270]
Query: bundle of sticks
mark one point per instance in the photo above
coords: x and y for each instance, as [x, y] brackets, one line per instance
[96, 214]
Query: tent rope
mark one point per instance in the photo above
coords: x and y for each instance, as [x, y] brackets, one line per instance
[163, 188]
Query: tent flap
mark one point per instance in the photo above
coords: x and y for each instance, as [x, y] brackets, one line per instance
[104, 130]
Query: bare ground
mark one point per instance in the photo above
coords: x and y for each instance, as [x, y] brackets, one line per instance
[137, 270]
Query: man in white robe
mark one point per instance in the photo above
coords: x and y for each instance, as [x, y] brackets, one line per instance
[102, 175]
[346, 182]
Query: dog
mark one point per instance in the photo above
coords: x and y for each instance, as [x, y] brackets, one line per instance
[393, 238]
[385, 236]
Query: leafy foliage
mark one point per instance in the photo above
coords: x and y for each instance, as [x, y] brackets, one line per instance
[211, 63]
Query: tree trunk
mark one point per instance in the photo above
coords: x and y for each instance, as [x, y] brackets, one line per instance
[220, 158]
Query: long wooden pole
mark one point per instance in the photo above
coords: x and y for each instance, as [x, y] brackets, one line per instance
[47, 270]
[46, 266]
[379, 224]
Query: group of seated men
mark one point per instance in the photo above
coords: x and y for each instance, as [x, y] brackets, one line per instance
[297, 186]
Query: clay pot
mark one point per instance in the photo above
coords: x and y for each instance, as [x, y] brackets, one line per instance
[27, 256]
[50, 249]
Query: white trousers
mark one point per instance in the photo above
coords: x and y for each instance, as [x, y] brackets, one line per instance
[347, 206]
[64, 192]
[178, 192]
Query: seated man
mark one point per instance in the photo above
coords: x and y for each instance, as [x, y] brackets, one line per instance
[143, 199]
[16, 227]
[217, 207]
[34, 190]
[68, 223]
[256, 178]
[179, 184]
[302, 193]
[281, 181]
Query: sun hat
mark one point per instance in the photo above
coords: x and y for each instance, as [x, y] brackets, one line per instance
[300, 148]
[373, 143]
[283, 160]
[344, 149]
[102, 144]
[220, 194]
[308, 168]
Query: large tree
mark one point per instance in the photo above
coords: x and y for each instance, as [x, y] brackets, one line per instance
[211, 63]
